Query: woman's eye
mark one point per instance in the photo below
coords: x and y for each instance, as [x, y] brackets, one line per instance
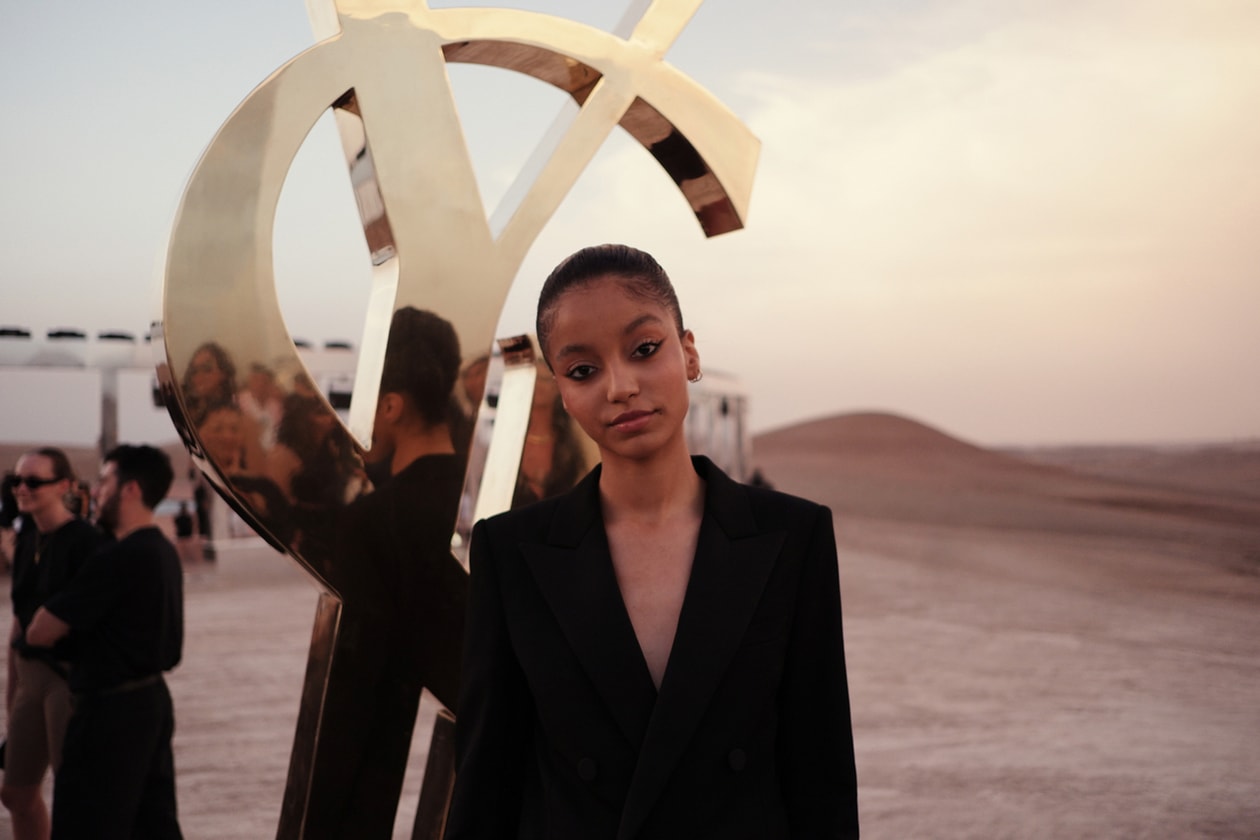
[646, 349]
[580, 372]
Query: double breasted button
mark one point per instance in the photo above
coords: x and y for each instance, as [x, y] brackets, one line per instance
[587, 769]
[737, 759]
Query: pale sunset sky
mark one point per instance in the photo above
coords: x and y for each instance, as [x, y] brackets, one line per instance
[1019, 221]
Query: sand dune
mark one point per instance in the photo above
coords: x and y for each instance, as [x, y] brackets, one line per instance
[1038, 649]
[1218, 469]
[883, 466]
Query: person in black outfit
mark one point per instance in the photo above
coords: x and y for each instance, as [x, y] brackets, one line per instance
[657, 654]
[51, 547]
[403, 603]
[124, 614]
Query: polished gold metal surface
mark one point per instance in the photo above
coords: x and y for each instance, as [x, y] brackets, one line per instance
[270, 442]
[497, 482]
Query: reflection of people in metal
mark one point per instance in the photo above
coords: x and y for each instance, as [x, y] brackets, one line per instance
[51, 547]
[414, 409]
[231, 440]
[403, 610]
[468, 395]
[262, 401]
[224, 434]
[209, 380]
[316, 468]
[552, 459]
[658, 653]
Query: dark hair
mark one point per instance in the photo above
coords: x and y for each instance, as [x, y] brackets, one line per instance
[60, 462]
[197, 405]
[639, 274]
[221, 360]
[422, 362]
[295, 429]
[147, 466]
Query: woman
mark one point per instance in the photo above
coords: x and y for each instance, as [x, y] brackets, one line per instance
[552, 459]
[316, 469]
[209, 380]
[226, 441]
[51, 547]
[657, 653]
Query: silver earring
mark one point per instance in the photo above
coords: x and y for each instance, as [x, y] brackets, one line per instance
[699, 375]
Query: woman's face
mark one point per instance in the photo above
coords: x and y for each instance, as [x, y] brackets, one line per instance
[46, 497]
[622, 368]
[206, 377]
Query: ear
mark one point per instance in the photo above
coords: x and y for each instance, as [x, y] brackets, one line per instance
[389, 407]
[130, 491]
[690, 354]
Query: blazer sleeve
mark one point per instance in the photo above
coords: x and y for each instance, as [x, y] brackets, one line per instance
[815, 745]
[494, 724]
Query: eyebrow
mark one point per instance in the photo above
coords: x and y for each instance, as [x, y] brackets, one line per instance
[574, 349]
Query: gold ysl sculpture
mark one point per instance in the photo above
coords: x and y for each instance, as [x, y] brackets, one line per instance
[376, 534]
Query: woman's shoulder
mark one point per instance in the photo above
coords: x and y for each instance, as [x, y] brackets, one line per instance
[532, 518]
[775, 510]
[561, 519]
[768, 497]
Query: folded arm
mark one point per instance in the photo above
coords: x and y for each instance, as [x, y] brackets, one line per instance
[46, 629]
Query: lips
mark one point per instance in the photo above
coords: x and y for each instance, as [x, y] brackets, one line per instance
[630, 420]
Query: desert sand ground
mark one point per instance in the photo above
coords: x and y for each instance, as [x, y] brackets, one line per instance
[1034, 651]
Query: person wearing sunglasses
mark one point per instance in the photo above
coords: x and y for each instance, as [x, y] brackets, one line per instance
[52, 544]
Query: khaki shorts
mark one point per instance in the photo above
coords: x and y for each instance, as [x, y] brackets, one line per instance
[37, 725]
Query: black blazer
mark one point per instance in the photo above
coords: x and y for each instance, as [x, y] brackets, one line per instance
[561, 732]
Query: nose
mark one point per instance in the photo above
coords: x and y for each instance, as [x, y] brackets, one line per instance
[622, 382]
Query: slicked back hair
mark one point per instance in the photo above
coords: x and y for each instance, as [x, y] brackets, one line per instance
[422, 360]
[60, 462]
[637, 272]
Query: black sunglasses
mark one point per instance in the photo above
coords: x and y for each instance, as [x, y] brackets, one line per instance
[31, 481]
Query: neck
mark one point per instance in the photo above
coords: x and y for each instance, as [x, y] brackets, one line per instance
[130, 524]
[650, 490]
[433, 440]
[51, 520]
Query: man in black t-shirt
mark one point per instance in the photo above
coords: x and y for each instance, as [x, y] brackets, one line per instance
[124, 611]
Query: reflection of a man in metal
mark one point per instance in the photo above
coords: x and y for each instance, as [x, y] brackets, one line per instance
[404, 593]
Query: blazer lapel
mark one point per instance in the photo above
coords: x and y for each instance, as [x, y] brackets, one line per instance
[732, 563]
[575, 575]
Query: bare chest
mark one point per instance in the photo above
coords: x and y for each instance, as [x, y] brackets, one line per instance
[652, 569]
